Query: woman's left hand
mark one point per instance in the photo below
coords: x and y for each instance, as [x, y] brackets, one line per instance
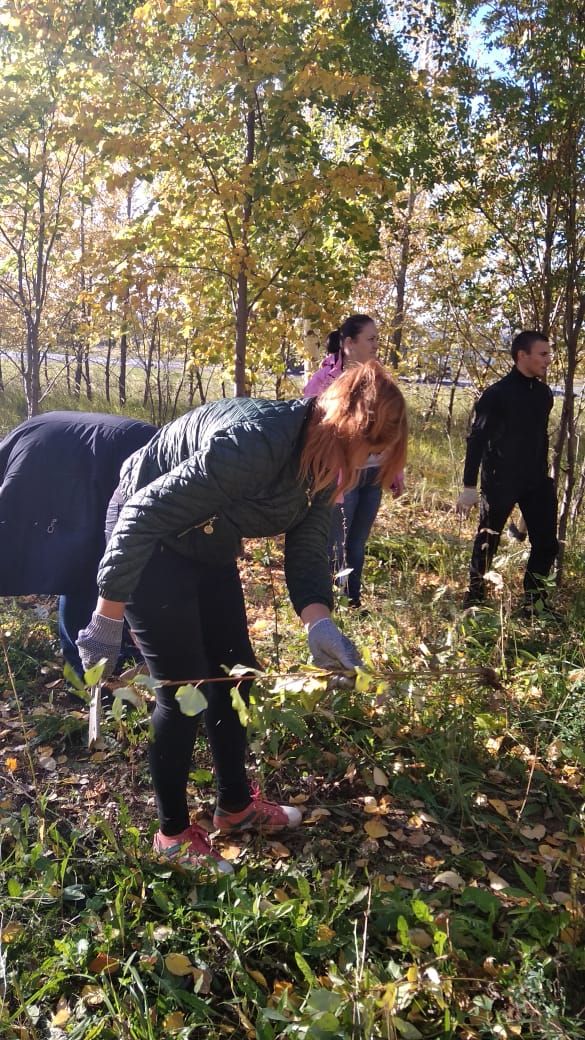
[330, 648]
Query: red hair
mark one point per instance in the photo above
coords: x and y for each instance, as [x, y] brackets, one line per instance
[362, 411]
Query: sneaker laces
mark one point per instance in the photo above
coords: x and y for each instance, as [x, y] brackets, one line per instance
[270, 810]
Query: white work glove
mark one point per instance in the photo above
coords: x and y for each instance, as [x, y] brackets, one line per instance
[102, 638]
[330, 648]
[468, 498]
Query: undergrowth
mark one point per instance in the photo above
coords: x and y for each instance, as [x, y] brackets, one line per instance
[434, 888]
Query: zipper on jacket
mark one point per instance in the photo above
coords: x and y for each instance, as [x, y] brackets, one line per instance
[207, 526]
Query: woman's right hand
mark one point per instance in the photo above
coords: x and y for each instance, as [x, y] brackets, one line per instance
[101, 639]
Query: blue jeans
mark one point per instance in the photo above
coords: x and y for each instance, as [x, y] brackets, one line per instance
[351, 524]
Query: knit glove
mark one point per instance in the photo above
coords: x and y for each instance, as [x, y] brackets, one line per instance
[330, 648]
[468, 498]
[102, 638]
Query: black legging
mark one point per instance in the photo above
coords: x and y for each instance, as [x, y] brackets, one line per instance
[189, 620]
[539, 509]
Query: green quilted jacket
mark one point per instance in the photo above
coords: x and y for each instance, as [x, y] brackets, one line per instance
[223, 472]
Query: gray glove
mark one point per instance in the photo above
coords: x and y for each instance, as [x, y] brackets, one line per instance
[330, 648]
[102, 638]
[468, 498]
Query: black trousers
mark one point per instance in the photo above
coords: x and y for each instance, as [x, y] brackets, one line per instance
[189, 621]
[539, 509]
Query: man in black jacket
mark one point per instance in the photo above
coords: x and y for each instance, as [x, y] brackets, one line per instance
[509, 442]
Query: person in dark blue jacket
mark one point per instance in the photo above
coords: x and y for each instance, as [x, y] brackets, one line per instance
[57, 475]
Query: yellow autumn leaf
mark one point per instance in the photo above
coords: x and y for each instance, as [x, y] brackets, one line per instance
[500, 806]
[325, 933]
[92, 996]
[230, 852]
[388, 998]
[375, 829]
[62, 1014]
[279, 849]
[315, 815]
[174, 1021]
[258, 626]
[258, 977]
[11, 764]
[178, 964]
[370, 804]
[11, 931]
[383, 883]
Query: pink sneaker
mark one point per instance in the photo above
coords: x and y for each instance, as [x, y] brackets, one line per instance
[190, 848]
[259, 815]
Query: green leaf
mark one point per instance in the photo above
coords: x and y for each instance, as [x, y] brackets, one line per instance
[94, 674]
[71, 676]
[146, 680]
[326, 1022]
[201, 776]
[305, 969]
[535, 887]
[421, 911]
[406, 1029]
[239, 705]
[14, 887]
[485, 901]
[126, 693]
[191, 700]
[324, 1000]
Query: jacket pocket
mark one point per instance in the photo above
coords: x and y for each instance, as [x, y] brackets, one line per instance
[212, 541]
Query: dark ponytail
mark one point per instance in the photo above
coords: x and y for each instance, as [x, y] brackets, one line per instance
[349, 329]
[333, 343]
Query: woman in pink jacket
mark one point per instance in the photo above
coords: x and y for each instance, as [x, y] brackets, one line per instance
[355, 342]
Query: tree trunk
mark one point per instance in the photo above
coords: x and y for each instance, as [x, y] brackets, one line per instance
[32, 383]
[398, 322]
[242, 311]
[78, 370]
[123, 367]
[108, 370]
[451, 405]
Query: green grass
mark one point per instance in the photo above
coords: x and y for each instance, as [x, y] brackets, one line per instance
[435, 887]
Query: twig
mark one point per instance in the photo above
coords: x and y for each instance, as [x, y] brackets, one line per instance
[489, 675]
[528, 786]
